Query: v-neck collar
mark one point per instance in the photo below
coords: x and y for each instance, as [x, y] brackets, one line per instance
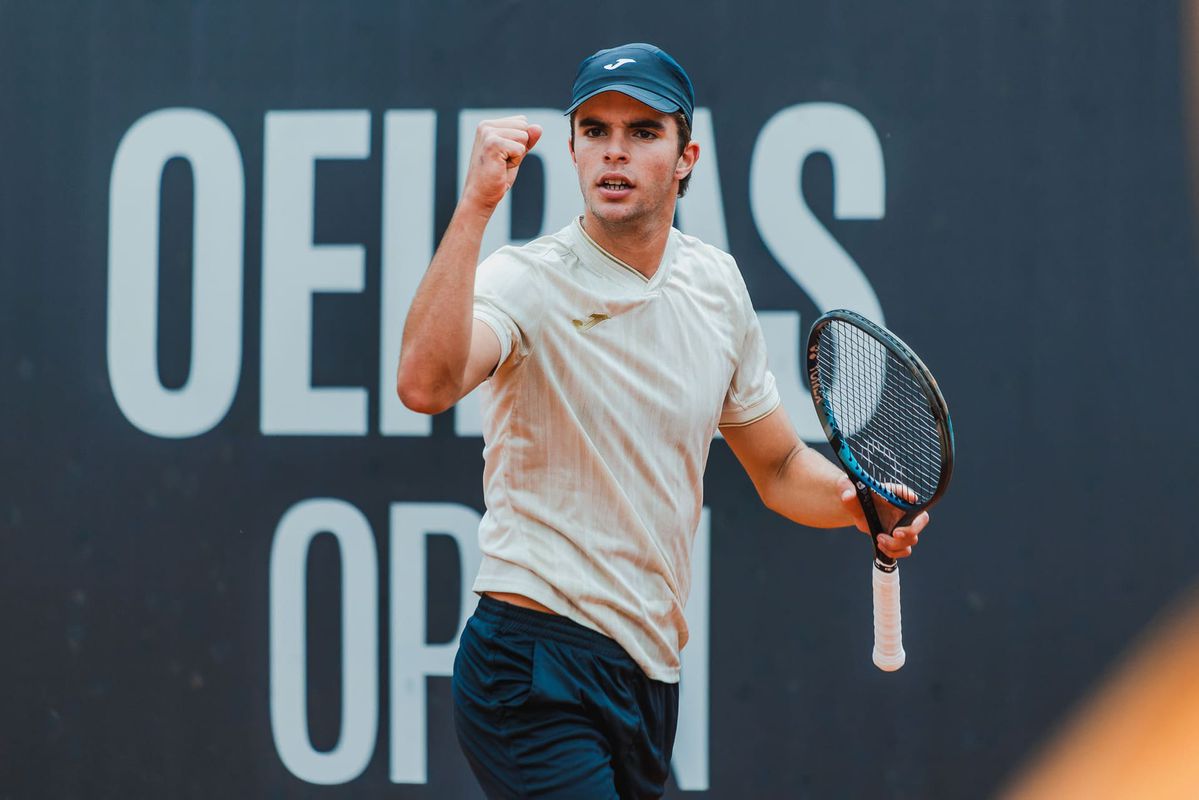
[597, 257]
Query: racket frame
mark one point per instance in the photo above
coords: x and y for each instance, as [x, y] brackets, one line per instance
[863, 482]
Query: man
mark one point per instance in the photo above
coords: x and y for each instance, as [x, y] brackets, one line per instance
[614, 349]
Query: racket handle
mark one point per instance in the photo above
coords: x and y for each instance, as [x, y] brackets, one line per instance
[888, 633]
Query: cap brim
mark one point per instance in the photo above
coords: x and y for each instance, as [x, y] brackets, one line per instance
[651, 99]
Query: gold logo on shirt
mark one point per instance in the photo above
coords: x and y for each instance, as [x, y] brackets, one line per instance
[590, 322]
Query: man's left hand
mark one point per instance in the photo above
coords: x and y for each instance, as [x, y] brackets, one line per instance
[899, 542]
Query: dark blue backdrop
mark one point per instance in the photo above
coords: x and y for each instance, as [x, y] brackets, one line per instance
[1035, 248]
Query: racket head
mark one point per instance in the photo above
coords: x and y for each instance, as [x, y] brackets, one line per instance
[881, 409]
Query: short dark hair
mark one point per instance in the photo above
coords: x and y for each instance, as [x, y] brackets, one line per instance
[684, 128]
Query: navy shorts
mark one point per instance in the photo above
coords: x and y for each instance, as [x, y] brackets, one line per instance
[547, 708]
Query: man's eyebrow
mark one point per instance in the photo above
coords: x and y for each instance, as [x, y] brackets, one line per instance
[592, 122]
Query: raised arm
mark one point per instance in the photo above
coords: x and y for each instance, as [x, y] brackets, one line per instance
[445, 352]
[805, 487]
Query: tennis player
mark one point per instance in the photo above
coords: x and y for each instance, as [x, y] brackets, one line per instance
[614, 349]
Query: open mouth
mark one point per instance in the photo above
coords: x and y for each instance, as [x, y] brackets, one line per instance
[614, 186]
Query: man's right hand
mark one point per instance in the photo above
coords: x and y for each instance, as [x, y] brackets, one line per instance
[446, 352]
[500, 147]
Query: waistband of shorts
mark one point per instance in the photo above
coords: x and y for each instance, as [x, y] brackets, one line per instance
[546, 626]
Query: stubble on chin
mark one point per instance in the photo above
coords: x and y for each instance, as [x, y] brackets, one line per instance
[622, 215]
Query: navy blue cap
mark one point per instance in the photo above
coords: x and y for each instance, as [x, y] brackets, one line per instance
[641, 71]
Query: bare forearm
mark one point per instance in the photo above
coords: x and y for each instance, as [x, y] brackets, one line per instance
[437, 333]
[804, 486]
[806, 491]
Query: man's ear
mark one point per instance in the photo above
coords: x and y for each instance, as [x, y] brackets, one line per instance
[570, 145]
[687, 160]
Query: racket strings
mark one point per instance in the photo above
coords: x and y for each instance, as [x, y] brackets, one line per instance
[881, 410]
[881, 430]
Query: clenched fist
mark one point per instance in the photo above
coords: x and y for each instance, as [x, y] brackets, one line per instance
[500, 146]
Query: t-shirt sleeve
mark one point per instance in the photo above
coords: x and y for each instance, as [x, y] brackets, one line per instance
[506, 300]
[752, 393]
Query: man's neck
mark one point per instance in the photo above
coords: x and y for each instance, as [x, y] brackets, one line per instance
[639, 246]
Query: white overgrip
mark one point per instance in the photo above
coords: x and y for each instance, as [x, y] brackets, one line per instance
[888, 633]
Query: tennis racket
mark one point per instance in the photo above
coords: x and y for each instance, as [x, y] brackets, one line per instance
[889, 426]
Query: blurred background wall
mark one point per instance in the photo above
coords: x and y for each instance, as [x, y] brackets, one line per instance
[232, 563]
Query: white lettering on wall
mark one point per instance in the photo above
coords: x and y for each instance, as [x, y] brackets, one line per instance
[409, 153]
[294, 269]
[359, 645]
[690, 758]
[811, 256]
[133, 233]
[412, 658]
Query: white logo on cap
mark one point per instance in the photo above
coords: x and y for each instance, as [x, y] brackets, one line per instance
[620, 62]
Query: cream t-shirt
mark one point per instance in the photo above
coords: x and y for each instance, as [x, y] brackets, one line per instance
[597, 426]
